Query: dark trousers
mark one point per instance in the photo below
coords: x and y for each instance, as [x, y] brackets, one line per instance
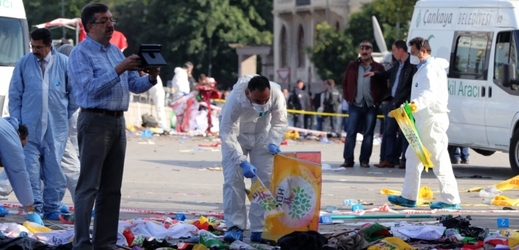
[365, 117]
[456, 153]
[344, 123]
[102, 146]
[308, 121]
[393, 141]
[298, 120]
[322, 119]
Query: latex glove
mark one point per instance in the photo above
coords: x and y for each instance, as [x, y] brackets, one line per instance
[34, 217]
[413, 107]
[274, 149]
[391, 114]
[247, 169]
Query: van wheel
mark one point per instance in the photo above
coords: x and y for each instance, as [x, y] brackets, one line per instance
[513, 153]
[483, 152]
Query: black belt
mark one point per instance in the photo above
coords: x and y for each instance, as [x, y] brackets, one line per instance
[104, 112]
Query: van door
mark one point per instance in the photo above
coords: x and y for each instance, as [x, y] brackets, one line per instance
[468, 74]
[502, 104]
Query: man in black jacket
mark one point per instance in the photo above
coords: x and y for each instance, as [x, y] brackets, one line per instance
[330, 102]
[400, 78]
[299, 100]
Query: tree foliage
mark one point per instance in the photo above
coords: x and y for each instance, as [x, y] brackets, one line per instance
[331, 52]
[199, 31]
[331, 44]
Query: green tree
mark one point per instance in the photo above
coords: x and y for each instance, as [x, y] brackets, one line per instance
[198, 31]
[41, 11]
[331, 52]
[398, 14]
[331, 44]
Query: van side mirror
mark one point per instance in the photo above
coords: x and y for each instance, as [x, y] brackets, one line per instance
[509, 75]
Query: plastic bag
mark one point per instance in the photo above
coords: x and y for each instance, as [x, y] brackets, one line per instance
[5, 185]
[404, 118]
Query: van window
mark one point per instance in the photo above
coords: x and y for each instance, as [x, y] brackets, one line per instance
[506, 52]
[12, 45]
[470, 60]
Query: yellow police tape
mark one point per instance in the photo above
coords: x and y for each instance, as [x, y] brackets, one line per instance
[293, 111]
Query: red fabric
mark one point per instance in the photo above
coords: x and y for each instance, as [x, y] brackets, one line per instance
[207, 93]
[119, 40]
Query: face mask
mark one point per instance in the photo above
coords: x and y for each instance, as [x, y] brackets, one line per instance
[261, 108]
[414, 60]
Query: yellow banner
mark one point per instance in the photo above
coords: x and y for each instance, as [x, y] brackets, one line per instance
[296, 185]
[404, 118]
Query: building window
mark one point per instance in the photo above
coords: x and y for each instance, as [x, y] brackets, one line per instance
[337, 26]
[302, 2]
[284, 47]
[301, 47]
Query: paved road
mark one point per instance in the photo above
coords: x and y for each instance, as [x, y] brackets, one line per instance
[172, 173]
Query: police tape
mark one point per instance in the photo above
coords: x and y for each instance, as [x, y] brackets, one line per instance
[302, 112]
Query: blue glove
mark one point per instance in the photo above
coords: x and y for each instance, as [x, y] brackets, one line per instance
[274, 149]
[247, 169]
[34, 217]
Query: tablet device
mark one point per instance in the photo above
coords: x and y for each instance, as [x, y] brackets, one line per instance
[150, 55]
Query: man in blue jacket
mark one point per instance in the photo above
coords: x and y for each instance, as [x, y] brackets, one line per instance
[39, 97]
[13, 136]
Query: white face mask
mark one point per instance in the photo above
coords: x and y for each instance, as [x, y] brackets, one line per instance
[414, 60]
[261, 108]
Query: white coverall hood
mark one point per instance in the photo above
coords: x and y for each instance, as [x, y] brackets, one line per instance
[243, 133]
[430, 94]
[180, 81]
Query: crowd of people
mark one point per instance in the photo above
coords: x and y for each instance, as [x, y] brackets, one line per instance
[67, 126]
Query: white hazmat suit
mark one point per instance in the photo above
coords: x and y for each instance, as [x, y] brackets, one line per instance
[430, 95]
[244, 132]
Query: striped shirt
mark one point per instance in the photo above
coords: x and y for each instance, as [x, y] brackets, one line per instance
[95, 83]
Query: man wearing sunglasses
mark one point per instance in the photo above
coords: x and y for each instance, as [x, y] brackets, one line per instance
[363, 96]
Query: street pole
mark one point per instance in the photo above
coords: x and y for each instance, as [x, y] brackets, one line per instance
[63, 16]
[327, 12]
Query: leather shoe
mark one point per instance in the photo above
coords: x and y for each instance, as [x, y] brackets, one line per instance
[364, 165]
[346, 165]
[401, 165]
[385, 164]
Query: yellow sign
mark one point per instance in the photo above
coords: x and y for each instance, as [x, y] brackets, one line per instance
[296, 186]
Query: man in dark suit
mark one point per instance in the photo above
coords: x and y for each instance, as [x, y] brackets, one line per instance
[400, 78]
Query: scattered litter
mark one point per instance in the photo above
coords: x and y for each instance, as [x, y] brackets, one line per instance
[376, 173]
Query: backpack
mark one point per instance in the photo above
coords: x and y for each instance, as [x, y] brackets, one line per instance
[148, 121]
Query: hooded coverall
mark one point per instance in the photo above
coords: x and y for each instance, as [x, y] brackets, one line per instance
[245, 133]
[11, 153]
[44, 104]
[430, 95]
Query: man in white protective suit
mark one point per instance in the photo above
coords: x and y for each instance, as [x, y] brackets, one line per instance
[429, 98]
[253, 123]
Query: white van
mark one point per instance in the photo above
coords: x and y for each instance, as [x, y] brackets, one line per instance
[480, 38]
[14, 44]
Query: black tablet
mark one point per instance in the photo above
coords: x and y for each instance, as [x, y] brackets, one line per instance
[150, 55]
